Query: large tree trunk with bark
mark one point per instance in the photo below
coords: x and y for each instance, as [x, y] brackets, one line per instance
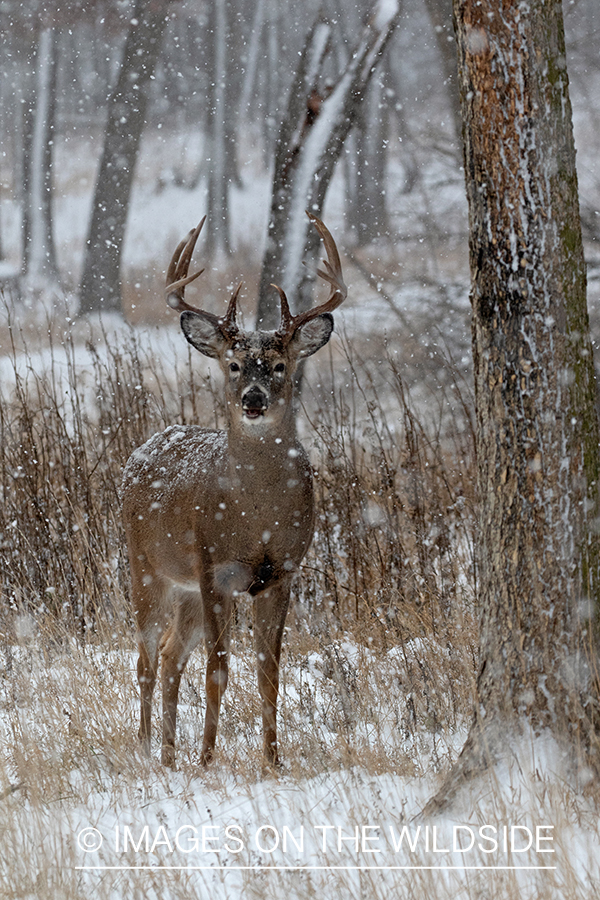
[100, 289]
[537, 430]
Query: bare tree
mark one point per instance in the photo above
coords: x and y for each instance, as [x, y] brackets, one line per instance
[44, 52]
[310, 142]
[365, 206]
[537, 430]
[100, 288]
[221, 121]
[39, 253]
[440, 14]
[252, 59]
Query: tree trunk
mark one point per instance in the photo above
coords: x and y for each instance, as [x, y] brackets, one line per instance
[310, 142]
[39, 254]
[440, 15]
[252, 57]
[537, 430]
[222, 160]
[273, 38]
[101, 282]
[366, 207]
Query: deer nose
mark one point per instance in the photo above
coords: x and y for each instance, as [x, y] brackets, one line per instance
[254, 401]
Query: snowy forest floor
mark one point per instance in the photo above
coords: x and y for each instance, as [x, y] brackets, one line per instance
[379, 656]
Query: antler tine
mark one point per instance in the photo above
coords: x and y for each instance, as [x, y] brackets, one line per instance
[228, 324]
[286, 316]
[332, 275]
[333, 268]
[177, 273]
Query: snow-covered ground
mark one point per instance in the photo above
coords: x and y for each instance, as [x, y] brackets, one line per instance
[90, 816]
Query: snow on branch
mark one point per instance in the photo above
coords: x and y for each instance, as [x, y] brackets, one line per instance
[324, 141]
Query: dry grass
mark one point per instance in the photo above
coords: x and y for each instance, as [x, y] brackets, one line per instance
[391, 555]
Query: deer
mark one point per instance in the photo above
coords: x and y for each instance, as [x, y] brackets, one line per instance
[213, 514]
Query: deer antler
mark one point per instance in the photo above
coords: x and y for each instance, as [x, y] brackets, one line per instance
[332, 274]
[177, 273]
[178, 279]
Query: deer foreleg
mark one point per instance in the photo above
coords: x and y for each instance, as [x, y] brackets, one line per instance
[151, 623]
[217, 621]
[270, 610]
[183, 636]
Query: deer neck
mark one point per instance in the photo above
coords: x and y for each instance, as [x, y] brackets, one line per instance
[270, 452]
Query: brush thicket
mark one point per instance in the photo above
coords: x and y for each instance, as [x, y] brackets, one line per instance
[389, 574]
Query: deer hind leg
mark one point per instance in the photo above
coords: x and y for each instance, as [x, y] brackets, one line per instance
[148, 596]
[270, 610]
[180, 640]
[146, 673]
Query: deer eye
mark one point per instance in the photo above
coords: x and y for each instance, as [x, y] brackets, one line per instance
[234, 368]
[279, 368]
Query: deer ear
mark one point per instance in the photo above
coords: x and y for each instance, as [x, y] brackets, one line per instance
[203, 333]
[311, 336]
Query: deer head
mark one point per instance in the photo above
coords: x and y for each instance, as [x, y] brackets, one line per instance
[258, 366]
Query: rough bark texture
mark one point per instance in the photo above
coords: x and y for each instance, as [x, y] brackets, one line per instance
[537, 438]
[101, 282]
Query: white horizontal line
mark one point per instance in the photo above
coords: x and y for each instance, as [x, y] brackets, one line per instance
[309, 868]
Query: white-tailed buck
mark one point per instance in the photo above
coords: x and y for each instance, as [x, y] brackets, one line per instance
[211, 514]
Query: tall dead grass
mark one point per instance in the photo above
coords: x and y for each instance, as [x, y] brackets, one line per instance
[392, 548]
[390, 565]
[69, 418]
[391, 562]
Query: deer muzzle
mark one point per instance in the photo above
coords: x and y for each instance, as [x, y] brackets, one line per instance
[254, 402]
